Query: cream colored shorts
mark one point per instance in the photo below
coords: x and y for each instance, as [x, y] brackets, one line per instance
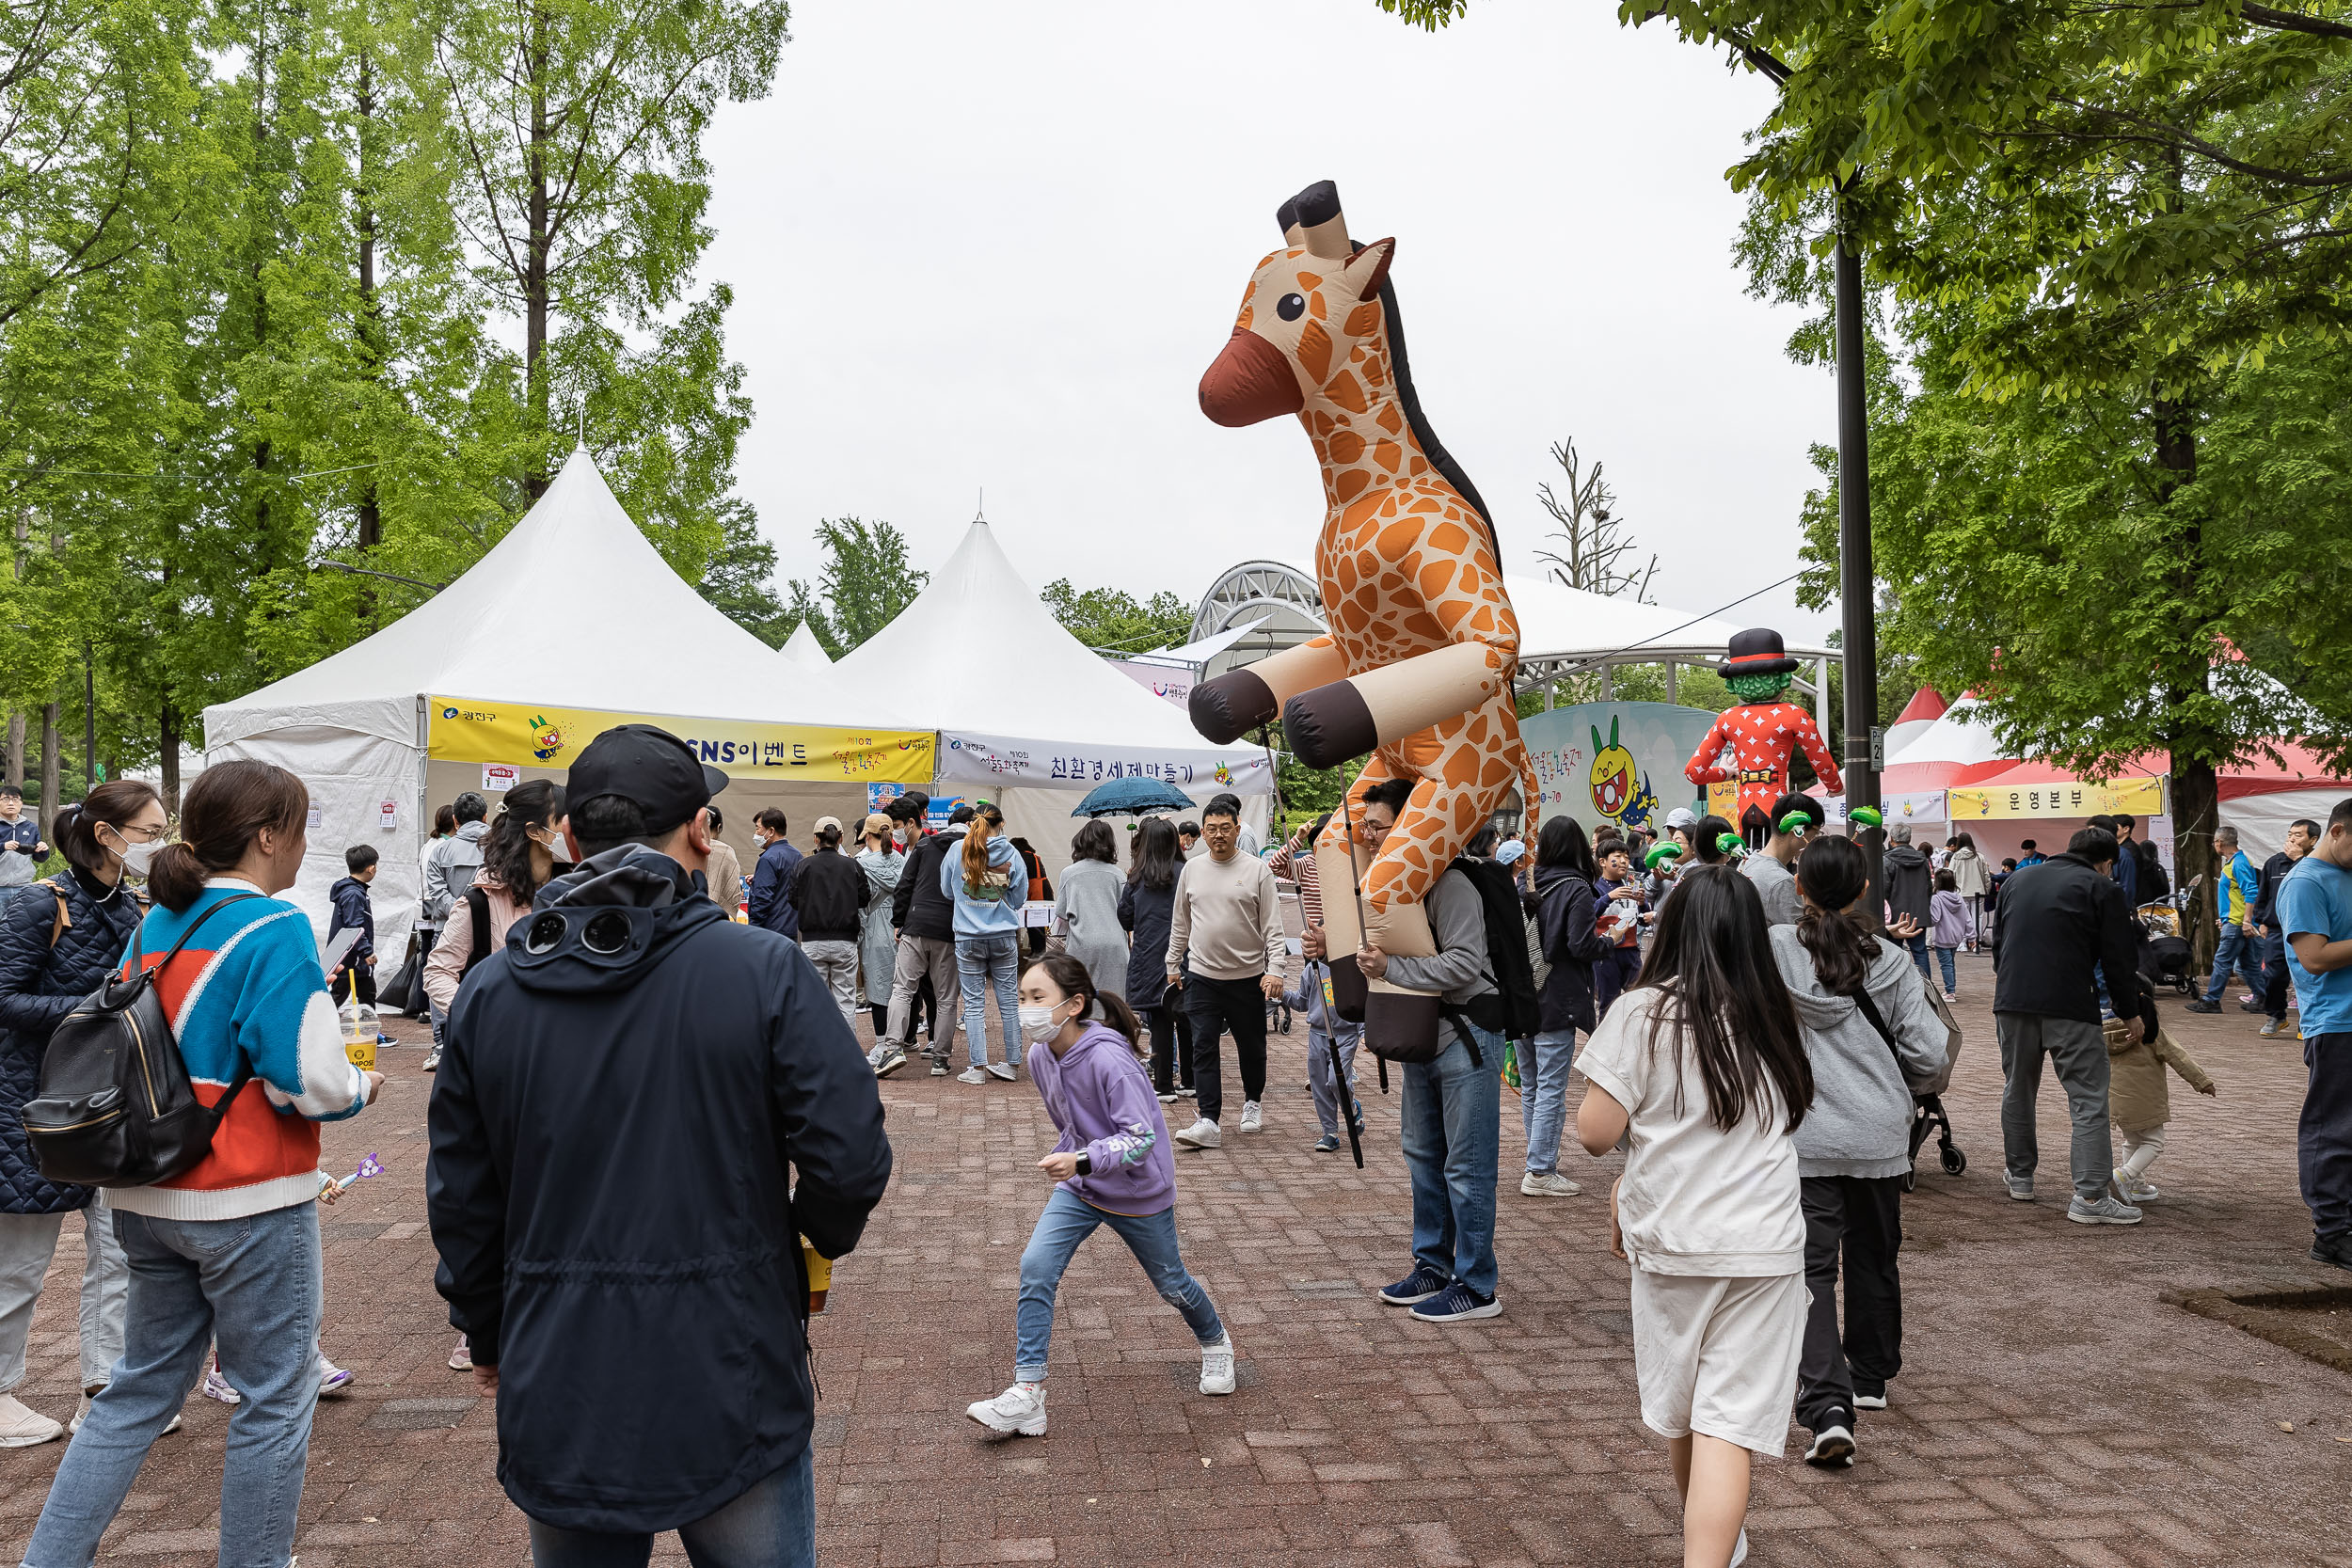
[1719, 1354]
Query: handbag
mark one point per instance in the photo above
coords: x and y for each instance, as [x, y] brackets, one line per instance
[1937, 1079]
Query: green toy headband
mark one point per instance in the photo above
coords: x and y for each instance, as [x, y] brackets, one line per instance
[1869, 816]
[1731, 844]
[1660, 853]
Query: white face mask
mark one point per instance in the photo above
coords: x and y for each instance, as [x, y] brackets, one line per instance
[554, 846]
[1038, 1024]
[138, 857]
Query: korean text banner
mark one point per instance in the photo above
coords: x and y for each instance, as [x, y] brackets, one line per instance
[1005, 761]
[462, 730]
[2139, 796]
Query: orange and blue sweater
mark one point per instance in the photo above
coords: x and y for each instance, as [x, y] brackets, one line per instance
[248, 988]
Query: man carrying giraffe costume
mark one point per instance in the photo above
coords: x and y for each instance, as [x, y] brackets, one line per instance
[1417, 666]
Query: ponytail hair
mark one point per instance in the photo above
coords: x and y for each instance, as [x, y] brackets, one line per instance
[1073, 979]
[975, 847]
[228, 805]
[1834, 875]
[75, 829]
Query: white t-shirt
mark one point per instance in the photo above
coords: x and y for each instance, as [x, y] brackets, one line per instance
[1694, 1200]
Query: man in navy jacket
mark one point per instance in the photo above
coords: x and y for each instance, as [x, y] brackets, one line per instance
[771, 903]
[627, 1091]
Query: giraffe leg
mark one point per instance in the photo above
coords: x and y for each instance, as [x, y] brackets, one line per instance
[1387, 706]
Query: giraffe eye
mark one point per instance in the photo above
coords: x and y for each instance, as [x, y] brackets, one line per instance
[1290, 306]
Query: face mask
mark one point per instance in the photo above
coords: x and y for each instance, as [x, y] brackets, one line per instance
[136, 858]
[1038, 1026]
[554, 846]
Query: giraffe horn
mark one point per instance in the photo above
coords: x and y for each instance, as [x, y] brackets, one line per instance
[1313, 221]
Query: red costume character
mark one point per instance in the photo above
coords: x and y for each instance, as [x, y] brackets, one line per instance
[1761, 732]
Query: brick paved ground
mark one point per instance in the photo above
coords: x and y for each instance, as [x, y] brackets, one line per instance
[2051, 1410]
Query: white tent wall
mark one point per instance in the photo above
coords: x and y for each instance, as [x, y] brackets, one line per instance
[352, 775]
[1042, 816]
[2262, 820]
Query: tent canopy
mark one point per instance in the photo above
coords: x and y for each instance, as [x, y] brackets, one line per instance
[802, 648]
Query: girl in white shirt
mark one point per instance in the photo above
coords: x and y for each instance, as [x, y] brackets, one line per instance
[1700, 1070]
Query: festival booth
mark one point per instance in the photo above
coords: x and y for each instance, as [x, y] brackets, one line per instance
[802, 647]
[1028, 716]
[571, 624]
[2262, 799]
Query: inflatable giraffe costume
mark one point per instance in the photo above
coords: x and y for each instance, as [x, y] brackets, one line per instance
[1417, 666]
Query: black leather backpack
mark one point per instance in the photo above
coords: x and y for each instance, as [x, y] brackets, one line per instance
[115, 1108]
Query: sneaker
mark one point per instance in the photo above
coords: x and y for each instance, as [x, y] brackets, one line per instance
[432, 1059]
[971, 1075]
[1005, 1070]
[1740, 1549]
[1328, 1144]
[2108, 1211]
[1188, 1092]
[1020, 1409]
[1252, 1115]
[460, 1359]
[1455, 1302]
[216, 1387]
[1871, 1401]
[1169, 1098]
[334, 1382]
[1201, 1134]
[1832, 1449]
[2271, 1026]
[23, 1427]
[2136, 1191]
[2252, 1006]
[1217, 1367]
[1549, 1183]
[2336, 1254]
[2200, 1005]
[2020, 1187]
[81, 1414]
[1418, 1286]
[889, 1059]
[939, 1067]
[1952, 996]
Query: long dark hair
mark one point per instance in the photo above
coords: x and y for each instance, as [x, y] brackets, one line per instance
[227, 806]
[1714, 960]
[1833, 875]
[1095, 842]
[506, 854]
[1561, 843]
[114, 803]
[1071, 978]
[1156, 859]
[1704, 837]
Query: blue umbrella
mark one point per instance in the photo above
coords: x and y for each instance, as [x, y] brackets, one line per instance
[1132, 797]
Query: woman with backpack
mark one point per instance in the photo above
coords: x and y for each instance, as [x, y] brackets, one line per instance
[1147, 911]
[1868, 1029]
[230, 1245]
[58, 939]
[1567, 935]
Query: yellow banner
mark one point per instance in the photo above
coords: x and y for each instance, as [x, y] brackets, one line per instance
[461, 730]
[2139, 796]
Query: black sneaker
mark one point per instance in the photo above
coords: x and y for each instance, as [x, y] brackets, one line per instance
[2201, 1006]
[1832, 1449]
[2336, 1254]
[2254, 1006]
[1422, 1283]
[1455, 1302]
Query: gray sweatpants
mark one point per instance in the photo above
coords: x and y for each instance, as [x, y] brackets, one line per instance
[837, 962]
[919, 956]
[27, 1243]
[2079, 1051]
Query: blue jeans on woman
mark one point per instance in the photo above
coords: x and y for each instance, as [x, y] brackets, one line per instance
[1069, 1220]
[1544, 1097]
[250, 1284]
[981, 962]
[1452, 1112]
[771, 1526]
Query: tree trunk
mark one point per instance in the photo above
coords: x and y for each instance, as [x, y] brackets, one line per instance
[2196, 785]
[370, 323]
[535, 301]
[51, 774]
[167, 726]
[16, 748]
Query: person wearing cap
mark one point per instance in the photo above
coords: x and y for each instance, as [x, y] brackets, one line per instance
[829, 893]
[20, 848]
[640, 1103]
[1773, 868]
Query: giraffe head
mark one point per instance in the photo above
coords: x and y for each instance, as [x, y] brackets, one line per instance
[1307, 306]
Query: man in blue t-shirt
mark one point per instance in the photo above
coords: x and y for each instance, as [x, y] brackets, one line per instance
[2315, 912]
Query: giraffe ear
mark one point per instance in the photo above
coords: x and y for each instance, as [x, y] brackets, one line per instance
[1369, 268]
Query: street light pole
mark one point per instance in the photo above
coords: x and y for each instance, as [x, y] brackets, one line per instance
[1857, 583]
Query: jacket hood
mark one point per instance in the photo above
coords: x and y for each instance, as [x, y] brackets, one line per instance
[607, 923]
[1550, 876]
[1905, 855]
[1827, 1010]
[474, 833]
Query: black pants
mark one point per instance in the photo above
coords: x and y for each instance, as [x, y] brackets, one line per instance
[1862, 1218]
[1171, 1046]
[2274, 975]
[1612, 973]
[1216, 1005]
[366, 982]
[2324, 1140]
[880, 1011]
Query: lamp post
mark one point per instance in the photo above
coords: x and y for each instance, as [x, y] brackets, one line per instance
[1857, 585]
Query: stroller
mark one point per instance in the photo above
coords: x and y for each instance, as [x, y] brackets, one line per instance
[1927, 1102]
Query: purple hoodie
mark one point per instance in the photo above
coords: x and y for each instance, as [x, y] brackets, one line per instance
[1101, 1097]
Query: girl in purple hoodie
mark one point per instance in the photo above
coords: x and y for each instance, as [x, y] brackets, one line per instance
[1113, 1166]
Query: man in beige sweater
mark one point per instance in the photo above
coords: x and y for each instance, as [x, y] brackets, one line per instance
[1225, 949]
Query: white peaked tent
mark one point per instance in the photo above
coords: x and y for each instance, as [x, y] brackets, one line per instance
[574, 608]
[1029, 716]
[802, 647]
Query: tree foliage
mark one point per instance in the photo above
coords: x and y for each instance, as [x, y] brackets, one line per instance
[1113, 621]
[866, 581]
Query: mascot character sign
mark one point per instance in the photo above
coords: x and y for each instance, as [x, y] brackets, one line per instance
[1760, 731]
[1417, 666]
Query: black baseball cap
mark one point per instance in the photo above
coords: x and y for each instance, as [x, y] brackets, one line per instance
[648, 765]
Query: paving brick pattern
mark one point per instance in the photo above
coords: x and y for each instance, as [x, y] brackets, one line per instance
[2050, 1412]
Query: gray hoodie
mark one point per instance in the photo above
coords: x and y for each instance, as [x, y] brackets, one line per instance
[1860, 1121]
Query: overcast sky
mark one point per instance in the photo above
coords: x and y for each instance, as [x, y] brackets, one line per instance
[995, 246]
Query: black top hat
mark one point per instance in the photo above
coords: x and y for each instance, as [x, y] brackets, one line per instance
[1756, 651]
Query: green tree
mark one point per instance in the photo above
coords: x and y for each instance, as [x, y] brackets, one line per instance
[863, 583]
[740, 581]
[1113, 621]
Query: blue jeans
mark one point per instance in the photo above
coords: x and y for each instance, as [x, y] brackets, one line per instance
[1068, 1220]
[252, 1284]
[1453, 1125]
[1944, 961]
[1918, 945]
[1544, 1097]
[981, 961]
[771, 1526]
[2237, 951]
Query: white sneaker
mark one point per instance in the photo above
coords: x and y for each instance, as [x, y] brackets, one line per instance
[1217, 1367]
[1547, 1184]
[1252, 1115]
[1201, 1134]
[1005, 1070]
[2133, 1189]
[81, 1413]
[971, 1075]
[1740, 1548]
[23, 1427]
[1020, 1409]
[219, 1387]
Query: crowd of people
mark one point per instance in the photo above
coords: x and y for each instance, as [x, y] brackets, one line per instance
[1760, 1028]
